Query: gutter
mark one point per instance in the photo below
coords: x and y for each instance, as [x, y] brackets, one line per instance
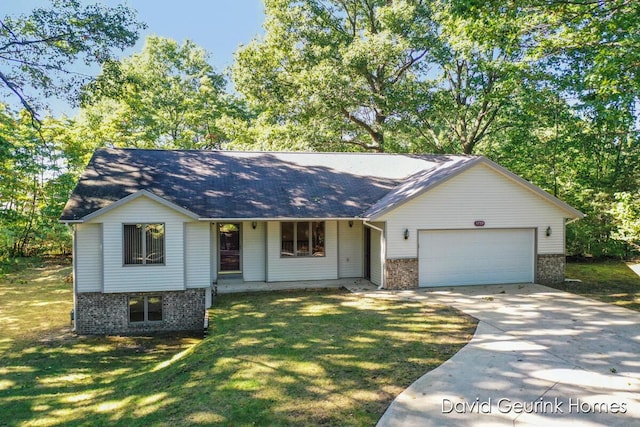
[368, 224]
[263, 219]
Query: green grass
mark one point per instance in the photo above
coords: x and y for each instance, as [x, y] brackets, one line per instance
[608, 281]
[296, 358]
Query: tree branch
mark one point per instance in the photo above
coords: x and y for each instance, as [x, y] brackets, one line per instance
[364, 125]
[408, 65]
[23, 100]
[36, 41]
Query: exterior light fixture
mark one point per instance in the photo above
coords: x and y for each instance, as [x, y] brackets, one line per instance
[406, 233]
[548, 231]
[254, 225]
[350, 224]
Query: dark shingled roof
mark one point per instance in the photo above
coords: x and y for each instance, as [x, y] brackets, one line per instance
[225, 184]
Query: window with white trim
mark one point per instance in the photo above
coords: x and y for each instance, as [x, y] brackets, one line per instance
[143, 244]
[302, 239]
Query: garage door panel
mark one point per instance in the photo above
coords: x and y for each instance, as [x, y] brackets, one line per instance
[466, 257]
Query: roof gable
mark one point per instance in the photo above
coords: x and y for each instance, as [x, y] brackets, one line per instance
[418, 184]
[137, 195]
[427, 180]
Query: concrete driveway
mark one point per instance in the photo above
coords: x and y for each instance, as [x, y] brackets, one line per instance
[539, 357]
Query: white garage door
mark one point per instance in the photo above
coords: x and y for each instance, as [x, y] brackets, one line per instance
[476, 257]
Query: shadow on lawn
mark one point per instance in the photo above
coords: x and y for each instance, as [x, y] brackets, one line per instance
[609, 281]
[64, 379]
[310, 358]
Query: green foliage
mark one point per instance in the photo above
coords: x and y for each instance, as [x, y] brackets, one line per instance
[626, 215]
[36, 50]
[384, 76]
[167, 96]
[33, 190]
[336, 75]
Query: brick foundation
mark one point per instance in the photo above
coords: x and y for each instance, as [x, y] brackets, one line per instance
[550, 269]
[401, 273]
[108, 314]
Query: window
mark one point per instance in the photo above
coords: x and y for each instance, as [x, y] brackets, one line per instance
[301, 239]
[143, 244]
[145, 309]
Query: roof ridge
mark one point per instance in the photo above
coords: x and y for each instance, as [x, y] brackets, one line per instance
[346, 153]
[218, 183]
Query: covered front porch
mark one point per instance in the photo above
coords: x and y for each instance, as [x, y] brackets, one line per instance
[236, 285]
[255, 255]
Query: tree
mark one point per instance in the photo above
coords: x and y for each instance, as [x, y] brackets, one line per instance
[377, 75]
[626, 213]
[167, 96]
[480, 74]
[32, 188]
[336, 74]
[38, 51]
[587, 51]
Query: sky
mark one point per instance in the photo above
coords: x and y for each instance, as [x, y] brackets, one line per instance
[219, 26]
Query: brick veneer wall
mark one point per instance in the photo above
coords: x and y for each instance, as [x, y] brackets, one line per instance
[108, 314]
[550, 269]
[401, 273]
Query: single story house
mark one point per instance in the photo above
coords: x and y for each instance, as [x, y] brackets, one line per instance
[154, 230]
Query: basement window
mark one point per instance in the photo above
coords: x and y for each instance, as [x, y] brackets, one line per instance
[145, 309]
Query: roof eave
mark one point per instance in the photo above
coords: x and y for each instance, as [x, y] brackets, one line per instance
[426, 188]
[283, 218]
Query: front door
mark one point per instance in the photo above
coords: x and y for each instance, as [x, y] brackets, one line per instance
[367, 253]
[229, 248]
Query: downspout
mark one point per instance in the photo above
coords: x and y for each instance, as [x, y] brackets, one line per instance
[382, 266]
[74, 266]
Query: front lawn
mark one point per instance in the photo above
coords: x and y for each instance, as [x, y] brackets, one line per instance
[296, 358]
[608, 281]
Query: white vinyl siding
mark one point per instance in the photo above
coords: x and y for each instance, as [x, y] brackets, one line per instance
[476, 257]
[253, 252]
[302, 268]
[350, 242]
[477, 194]
[377, 256]
[88, 257]
[143, 278]
[197, 255]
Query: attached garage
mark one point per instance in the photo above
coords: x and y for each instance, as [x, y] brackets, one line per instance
[476, 256]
